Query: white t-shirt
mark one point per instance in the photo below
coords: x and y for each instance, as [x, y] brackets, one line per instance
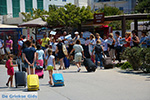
[50, 60]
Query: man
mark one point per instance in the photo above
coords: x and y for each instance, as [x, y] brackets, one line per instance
[2, 52]
[45, 41]
[32, 40]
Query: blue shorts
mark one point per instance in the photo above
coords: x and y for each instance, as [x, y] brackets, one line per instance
[27, 65]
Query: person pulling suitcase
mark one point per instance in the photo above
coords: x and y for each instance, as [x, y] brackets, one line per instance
[10, 70]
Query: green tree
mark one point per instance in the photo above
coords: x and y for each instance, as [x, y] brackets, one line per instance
[143, 6]
[36, 13]
[68, 16]
[108, 11]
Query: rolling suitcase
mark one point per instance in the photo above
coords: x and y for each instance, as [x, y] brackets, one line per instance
[58, 79]
[20, 78]
[89, 65]
[39, 71]
[107, 62]
[32, 82]
[66, 62]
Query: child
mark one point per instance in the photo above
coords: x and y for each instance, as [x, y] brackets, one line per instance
[98, 52]
[10, 70]
[50, 64]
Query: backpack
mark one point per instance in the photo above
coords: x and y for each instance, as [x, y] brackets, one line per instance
[98, 49]
[23, 45]
[64, 49]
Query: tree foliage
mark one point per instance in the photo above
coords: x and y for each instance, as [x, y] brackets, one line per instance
[108, 11]
[69, 15]
[36, 13]
[143, 6]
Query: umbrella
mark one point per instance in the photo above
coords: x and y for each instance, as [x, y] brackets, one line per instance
[34, 23]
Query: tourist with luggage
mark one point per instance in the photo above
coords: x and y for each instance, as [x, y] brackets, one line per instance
[78, 54]
[50, 65]
[105, 46]
[98, 53]
[39, 55]
[112, 47]
[118, 46]
[59, 51]
[29, 54]
[10, 70]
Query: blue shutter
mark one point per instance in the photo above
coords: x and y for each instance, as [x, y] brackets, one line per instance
[40, 4]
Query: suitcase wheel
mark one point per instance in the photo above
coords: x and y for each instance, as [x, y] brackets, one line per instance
[16, 86]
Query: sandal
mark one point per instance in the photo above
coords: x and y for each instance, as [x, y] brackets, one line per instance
[59, 68]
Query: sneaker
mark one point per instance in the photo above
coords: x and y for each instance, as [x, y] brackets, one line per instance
[7, 85]
[78, 70]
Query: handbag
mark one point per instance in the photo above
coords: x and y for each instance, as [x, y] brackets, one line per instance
[37, 66]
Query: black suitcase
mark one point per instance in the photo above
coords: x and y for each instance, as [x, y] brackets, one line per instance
[107, 62]
[89, 65]
[20, 78]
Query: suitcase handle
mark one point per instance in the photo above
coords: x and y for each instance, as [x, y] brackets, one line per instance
[19, 64]
[30, 70]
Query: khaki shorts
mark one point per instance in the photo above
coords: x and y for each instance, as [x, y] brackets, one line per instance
[2, 51]
[78, 58]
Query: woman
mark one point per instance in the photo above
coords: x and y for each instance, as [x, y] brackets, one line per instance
[118, 46]
[91, 46]
[9, 45]
[98, 52]
[112, 47]
[78, 54]
[98, 37]
[29, 55]
[135, 39]
[39, 55]
[127, 39]
[143, 40]
[60, 53]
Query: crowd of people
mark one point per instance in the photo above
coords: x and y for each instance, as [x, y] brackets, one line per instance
[76, 49]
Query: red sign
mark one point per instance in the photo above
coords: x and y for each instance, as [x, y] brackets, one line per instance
[98, 18]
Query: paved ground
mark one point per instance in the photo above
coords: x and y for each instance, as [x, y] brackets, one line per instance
[112, 84]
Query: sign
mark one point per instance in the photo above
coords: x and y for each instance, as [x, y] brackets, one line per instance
[53, 33]
[98, 18]
[18, 96]
[109, 41]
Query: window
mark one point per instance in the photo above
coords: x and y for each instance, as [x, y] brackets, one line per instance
[64, 0]
[40, 4]
[3, 7]
[16, 7]
[121, 8]
[28, 5]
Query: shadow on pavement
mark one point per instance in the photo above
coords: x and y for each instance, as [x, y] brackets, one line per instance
[70, 72]
[3, 87]
[134, 72]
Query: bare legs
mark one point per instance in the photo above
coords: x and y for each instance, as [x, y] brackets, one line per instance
[10, 80]
[31, 70]
[78, 64]
[50, 76]
[61, 63]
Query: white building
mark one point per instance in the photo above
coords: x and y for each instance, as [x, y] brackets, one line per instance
[10, 9]
[125, 5]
